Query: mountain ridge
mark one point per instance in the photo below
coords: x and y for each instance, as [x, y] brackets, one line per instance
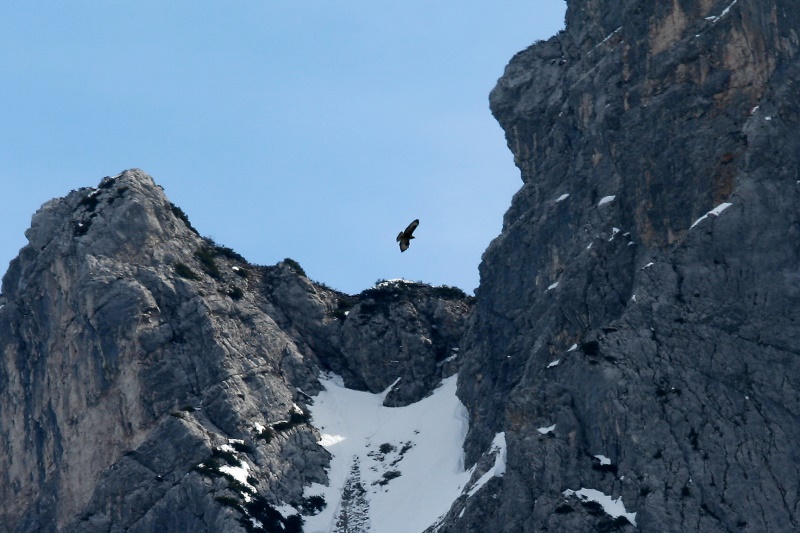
[629, 360]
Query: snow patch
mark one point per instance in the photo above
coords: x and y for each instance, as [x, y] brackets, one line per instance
[395, 281]
[545, 431]
[572, 348]
[553, 286]
[612, 507]
[498, 469]
[714, 212]
[715, 18]
[606, 199]
[453, 357]
[554, 363]
[603, 460]
[648, 265]
[239, 473]
[393, 469]
[562, 198]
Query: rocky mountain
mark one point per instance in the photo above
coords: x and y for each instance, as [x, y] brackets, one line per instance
[630, 360]
[153, 380]
[643, 299]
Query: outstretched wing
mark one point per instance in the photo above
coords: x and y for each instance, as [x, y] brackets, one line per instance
[410, 229]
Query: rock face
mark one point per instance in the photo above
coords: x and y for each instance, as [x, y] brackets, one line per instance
[629, 127]
[631, 359]
[152, 380]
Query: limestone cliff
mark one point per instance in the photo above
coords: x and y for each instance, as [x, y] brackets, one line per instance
[153, 380]
[643, 296]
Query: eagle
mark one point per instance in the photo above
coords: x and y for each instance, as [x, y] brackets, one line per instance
[405, 236]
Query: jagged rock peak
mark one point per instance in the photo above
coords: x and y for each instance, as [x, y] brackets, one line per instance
[154, 380]
[126, 217]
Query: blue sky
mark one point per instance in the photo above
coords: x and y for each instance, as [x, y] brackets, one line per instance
[310, 130]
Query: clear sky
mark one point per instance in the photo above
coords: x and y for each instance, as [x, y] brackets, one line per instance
[311, 130]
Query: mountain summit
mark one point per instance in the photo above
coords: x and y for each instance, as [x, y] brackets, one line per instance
[153, 379]
[631, 360]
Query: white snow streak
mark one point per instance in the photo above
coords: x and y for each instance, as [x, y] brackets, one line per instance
[715, 18]
[609, 36]
[605, 199]
[612, 507]
[553, 286]
[499, 467]
[451, 358]
[715, 212]
[562, 198]
[545, 431]
[554, 363]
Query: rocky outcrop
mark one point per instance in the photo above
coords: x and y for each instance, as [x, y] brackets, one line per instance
[152, 379]
[641, 302]
[399, 333]
[630, 359]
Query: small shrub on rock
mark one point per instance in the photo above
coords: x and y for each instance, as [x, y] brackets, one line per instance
[185, 272]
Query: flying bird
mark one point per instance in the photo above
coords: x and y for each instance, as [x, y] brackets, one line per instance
[405, 236]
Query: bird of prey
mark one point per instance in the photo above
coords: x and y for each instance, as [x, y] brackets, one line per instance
[405, 236]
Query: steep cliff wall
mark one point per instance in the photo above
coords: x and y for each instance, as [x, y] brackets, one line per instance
[625, 339]
[152, 380]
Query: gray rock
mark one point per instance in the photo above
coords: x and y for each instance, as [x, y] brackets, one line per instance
[137, 355]
[635, 332]
[686, 373]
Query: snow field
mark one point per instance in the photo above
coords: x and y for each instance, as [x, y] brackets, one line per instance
[409, 459]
